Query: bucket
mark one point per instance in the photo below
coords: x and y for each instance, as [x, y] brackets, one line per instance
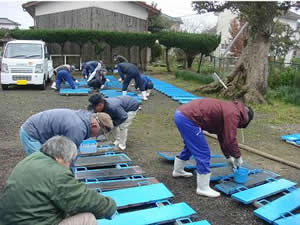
[240, 175]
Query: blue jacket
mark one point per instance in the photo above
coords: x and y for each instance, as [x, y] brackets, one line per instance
[74, 124]
[117, 108]
[90, 66]
[144, 80]
[127, 68]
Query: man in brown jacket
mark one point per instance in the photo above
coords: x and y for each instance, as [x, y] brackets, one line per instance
[215, 116]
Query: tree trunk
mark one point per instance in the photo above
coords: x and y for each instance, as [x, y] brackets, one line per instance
[199, 64]
[140, 58]
[190, 60]
[248, 80]
[111, 53]
[167, 60]
[129, 54]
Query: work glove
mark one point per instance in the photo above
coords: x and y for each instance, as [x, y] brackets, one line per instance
[120, 79]
[235, 162]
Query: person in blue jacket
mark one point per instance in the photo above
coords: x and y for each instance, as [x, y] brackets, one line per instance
[122, 111]
[77, 125]
[90, 67]
[146, 83]
[131, 72]
[63, 72]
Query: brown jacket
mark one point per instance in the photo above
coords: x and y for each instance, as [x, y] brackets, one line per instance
[218, 117]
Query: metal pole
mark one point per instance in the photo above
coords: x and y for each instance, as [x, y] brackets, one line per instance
[235, 38]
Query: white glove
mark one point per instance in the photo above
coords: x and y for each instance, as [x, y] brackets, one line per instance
[120, 79]
[235, 163]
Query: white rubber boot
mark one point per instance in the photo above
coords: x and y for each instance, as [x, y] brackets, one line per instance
[144, 95]
[148, 93]
[203, 186]
[178, 170]
[124, 93]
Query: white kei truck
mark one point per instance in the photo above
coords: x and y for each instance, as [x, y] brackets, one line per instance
[25, 62]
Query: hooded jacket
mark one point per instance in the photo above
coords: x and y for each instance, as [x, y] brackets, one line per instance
[74, 124]
[218, 117]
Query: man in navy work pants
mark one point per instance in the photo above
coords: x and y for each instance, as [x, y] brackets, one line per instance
[131, 72]
[63, 72]
[217, 117]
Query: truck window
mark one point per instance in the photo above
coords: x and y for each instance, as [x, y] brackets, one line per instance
[23, 51]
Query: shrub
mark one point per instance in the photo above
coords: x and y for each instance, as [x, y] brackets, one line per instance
[279, 78]
[199, 78]
[286, 94]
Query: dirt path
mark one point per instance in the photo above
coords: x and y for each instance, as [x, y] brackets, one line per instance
[153, 130]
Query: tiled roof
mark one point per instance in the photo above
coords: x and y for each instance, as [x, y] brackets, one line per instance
[7, 21]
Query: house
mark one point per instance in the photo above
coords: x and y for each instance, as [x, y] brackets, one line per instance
[6, 23]
[223, 25]
[175, 22]
[122, 16]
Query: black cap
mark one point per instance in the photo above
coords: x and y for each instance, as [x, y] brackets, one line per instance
[250, 116]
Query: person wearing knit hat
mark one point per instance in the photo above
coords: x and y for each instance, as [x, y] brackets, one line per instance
[122, 111]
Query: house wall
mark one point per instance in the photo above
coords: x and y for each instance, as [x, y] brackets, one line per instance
[223, 25]
[125, 8]
[94, 19]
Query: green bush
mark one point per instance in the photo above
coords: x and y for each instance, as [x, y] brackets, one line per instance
[199, 78]
[286, 94]
[284, 77]
[156, 52]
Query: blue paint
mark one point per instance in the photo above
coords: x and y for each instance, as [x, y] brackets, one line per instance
[64, 91]
[275, 209]
[291, 220]
[150, 216]
[262, 191]
[139, 195]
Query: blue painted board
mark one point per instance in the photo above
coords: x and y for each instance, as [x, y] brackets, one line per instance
[229, 187]
[127, 197]
[291, 137]
[202, 222]
[155, 215]
[77, 91]
[273, 210]
[263, 191]
[291, 220]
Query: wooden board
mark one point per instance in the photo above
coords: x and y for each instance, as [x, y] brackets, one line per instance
[102, 160]
[119, 184]
[109, 173]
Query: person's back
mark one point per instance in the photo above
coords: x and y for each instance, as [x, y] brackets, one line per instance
[41, 191]
[126, 102]
[212, 114]
[128, 68]
[70, 123]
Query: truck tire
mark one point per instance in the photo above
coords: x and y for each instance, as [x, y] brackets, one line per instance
[43, 86]
[4, 86]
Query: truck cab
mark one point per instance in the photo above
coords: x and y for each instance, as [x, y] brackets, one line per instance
[25, 62]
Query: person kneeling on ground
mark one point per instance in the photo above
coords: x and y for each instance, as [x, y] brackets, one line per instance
[77, 125]
[97, 79]
[63, 73]
[147, 84]
[122, 111]
[217, 117]
[42, 190]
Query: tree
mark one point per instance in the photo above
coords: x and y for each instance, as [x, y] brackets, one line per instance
[235, 27]
[248, 79]
[282, 40]
[157, 23]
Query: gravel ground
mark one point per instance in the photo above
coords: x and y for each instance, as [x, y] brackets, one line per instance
[153, 130]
